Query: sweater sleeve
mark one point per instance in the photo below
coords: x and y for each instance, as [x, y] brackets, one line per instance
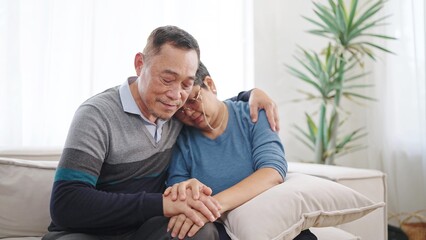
[268, 150]
[77, 206]
[76, 203]
[242, 96]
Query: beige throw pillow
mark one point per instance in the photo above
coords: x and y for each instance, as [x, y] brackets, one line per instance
[301, 202]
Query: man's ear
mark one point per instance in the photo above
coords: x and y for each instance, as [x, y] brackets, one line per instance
[138, 63]
[208, 81]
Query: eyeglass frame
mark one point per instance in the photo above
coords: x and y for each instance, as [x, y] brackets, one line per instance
[193, 102]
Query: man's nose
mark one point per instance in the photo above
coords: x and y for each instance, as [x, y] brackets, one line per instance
[174, 93]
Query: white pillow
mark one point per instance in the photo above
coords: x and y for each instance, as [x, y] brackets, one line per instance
[301, 202]
[25, 188]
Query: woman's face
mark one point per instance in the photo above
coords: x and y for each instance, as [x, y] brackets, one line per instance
[191, 113]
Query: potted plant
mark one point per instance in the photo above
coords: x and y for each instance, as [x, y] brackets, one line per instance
[334, 71]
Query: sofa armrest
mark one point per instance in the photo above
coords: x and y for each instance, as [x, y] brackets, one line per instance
[371, 183]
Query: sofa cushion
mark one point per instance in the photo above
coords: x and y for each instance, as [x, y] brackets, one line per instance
[25, 188]
[332, 233]
[301, 202]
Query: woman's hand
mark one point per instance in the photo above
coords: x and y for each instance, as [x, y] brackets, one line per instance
[260, 100]
[198, 190]
[179, 189]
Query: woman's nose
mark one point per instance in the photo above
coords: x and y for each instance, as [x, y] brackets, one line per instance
[187, 110]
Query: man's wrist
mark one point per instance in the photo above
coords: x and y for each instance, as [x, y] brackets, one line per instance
[152, 205]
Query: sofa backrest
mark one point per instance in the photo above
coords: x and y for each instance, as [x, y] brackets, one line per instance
[44, 154]
[25, 189]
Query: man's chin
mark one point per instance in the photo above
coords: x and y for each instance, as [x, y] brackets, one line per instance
[165, 116]
[164, 119]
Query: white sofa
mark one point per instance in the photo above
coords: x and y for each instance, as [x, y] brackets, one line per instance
[26, 177]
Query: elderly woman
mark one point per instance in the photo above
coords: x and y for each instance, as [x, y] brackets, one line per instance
[221, 147]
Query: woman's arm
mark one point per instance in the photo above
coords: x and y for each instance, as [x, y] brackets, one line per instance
[268, 161]
[248, 188]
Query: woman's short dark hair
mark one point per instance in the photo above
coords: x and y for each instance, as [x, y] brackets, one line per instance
[201, 74]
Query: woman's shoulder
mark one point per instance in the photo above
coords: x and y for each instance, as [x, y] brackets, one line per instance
[239, 107]
[187, 135]
[242, 110]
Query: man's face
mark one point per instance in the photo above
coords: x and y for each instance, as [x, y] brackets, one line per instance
[166, 81]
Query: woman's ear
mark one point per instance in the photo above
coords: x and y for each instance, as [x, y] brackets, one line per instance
[208, 81]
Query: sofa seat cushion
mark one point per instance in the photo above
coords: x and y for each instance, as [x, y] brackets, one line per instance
[332, 233]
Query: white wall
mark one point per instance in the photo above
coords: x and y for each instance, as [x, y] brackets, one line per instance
[279, 29]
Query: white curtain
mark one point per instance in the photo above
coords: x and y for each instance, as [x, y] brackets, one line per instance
[54, 54]
[397, 122]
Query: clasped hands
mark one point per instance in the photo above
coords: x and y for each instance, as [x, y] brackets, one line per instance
[189, 205]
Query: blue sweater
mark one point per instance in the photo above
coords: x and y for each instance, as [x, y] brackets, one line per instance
[243, 148]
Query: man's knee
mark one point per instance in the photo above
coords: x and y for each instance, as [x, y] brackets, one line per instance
[209, 231]
[156, 228]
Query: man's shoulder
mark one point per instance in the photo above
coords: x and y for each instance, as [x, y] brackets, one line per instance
[106, 99]
[174, 125]
[99, 106]
[110, 93]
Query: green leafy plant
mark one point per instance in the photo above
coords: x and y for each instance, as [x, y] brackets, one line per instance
[333, 73]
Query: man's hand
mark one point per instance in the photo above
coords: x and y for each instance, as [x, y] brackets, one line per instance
[260, 100]
[182, 226]
[190, 206]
